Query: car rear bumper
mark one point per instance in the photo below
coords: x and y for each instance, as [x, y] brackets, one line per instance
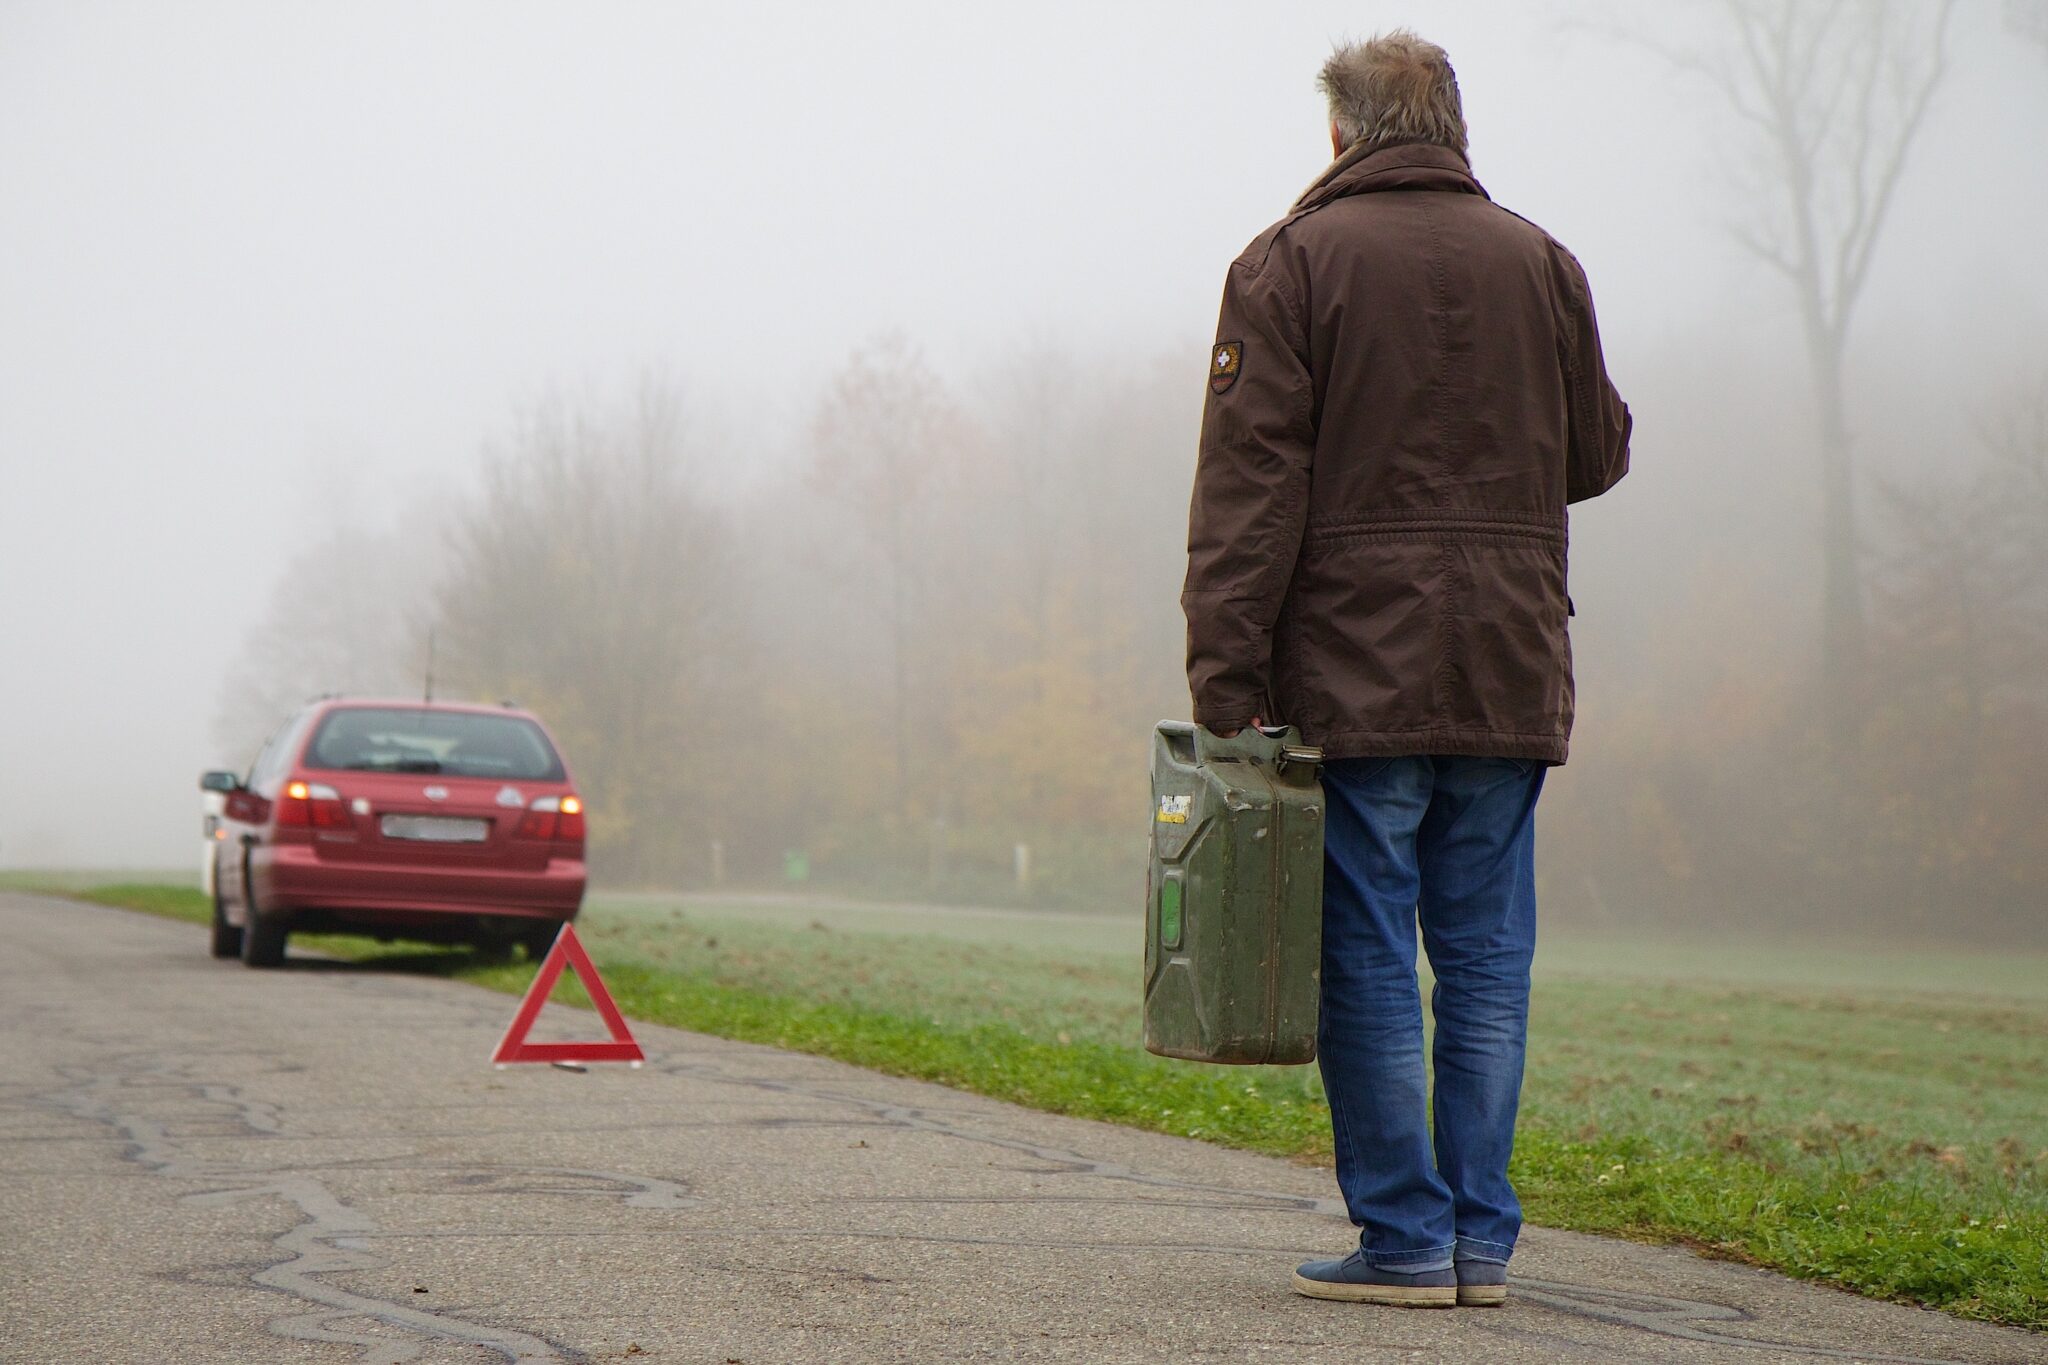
[293, 878]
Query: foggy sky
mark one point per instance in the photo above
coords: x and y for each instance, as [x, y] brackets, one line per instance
[262, 265]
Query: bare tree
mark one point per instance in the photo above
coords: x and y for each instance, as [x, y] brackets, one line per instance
[881, 439]
[349, 615]
[1947, 587]
[2016, 434]
[1955, 751]
[1834, 93]
[587, 582]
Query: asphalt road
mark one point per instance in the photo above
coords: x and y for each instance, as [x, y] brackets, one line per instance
[203, 1163]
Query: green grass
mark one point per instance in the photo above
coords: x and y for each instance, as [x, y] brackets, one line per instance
[1829, 1119]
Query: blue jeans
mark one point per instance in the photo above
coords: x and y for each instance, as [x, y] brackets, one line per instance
[1451, 841]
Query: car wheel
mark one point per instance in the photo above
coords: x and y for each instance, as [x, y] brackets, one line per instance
[538, 941]
[262, 939]
[227, 938]
[492, 948]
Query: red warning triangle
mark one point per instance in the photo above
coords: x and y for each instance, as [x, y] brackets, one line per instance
[567, 952]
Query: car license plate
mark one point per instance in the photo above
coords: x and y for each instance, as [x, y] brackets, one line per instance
[435, 829]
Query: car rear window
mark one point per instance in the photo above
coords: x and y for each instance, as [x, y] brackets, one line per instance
[394, 739]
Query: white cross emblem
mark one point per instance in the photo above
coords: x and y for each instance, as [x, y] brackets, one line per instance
[1223, 359]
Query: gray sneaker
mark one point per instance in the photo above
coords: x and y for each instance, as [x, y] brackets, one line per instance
[1481, 1284]
[1351, 1280]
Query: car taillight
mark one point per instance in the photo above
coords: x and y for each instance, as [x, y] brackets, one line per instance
[311, 805]
[553, 817]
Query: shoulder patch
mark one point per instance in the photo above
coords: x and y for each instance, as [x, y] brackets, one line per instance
[1224, 363]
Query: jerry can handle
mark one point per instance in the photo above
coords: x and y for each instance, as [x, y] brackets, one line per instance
[1194, 745]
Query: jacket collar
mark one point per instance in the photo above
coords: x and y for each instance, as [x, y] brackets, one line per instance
[1404, 166]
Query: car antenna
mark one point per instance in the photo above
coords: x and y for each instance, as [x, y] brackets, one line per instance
[429, 697]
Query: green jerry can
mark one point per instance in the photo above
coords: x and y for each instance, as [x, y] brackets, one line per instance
[1234, 899]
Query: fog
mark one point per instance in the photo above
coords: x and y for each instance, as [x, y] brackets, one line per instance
[287, 291]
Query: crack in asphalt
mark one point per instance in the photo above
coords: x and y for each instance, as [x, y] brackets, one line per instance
[1059, 1160]
[1656, 1314]
[333, 1237]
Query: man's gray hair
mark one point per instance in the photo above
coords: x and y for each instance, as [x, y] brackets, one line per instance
[1394, 88]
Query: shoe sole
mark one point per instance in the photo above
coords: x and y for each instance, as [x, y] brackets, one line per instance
[1386, 1295]
[1482, 1295]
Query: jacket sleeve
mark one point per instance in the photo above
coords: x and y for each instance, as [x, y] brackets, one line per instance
[1600, 423]
[1250, 499]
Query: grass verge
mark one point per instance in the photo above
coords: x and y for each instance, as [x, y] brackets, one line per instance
[1888, 1142]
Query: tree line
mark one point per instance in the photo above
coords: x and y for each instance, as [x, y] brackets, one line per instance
[946, 627]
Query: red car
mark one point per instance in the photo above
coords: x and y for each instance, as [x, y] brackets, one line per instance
[450, 823]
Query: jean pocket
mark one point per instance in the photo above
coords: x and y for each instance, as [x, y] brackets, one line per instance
[1521, 769]
[1352, 771]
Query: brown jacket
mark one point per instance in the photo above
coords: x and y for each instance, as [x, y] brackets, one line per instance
[1406, 390]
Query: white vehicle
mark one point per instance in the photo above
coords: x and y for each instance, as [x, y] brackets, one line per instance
[211, 807]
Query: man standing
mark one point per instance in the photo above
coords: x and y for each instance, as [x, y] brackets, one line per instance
[1405, 391]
